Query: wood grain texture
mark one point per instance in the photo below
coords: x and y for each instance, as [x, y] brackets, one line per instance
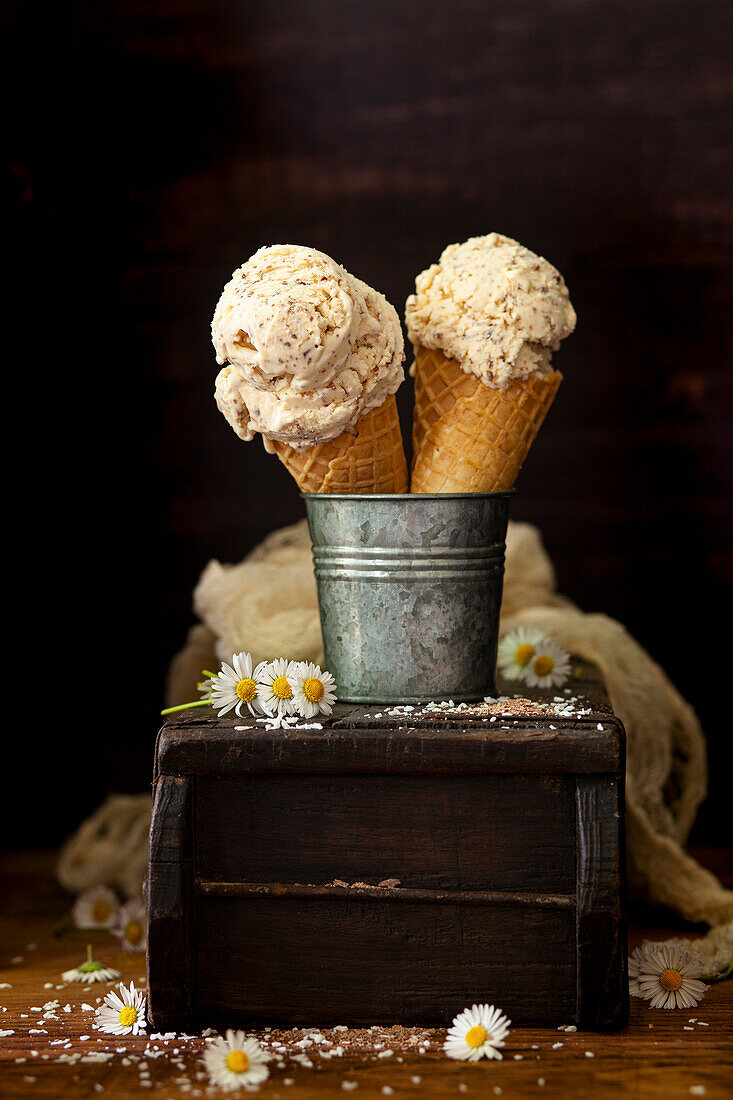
[653, 1058]
[170, 912]
[483, 829]
[354, 741]
[601, 915]
[363, 960]
[313, 829]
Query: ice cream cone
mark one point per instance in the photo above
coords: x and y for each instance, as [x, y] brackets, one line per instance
[372, 460]
[469, 437]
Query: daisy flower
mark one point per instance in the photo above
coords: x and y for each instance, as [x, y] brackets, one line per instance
[313, 691]
[96, 908]
[668, 976]
[637, 956]
[477, 1032]
[90, 971]
[549, 667]
[123, 1013]
[634, 959]
[229, 688]
[275, 687]
[516, 650]
[131, 929]
[235, 1062]
[235, 687]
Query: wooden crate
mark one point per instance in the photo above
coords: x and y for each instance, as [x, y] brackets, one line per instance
[506, 837]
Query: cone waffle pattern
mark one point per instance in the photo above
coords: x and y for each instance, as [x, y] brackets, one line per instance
[371, 461]
[467, 437]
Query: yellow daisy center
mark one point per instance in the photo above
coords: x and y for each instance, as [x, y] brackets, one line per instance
[523, 654]
[670, 980]
[281, 689]
[133, 932]
[544, 665]
[237, 1061]
[313, 690]
[128, 1015]
[246, 690]
[101, 912]
[476, 1036]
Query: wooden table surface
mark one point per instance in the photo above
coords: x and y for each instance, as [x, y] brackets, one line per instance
[660, 1053]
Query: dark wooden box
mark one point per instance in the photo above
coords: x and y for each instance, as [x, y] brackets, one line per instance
[506, 837]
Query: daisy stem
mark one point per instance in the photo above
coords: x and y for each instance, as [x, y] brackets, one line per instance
[187, 706]
[89, 953]
[63, 925]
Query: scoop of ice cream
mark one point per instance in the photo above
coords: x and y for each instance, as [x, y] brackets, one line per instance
[310, 349]
[494, 307]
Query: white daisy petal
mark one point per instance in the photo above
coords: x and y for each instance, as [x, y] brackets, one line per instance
[477, 1032]
[666, 975]
[131, 927]
[278, 672]
[96, 908]
[235, 1062]
[549, 667]
[122, 1014]
[314, 691]
[90, 971]
[508, 657]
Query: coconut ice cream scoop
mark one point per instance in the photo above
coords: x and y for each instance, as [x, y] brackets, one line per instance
[484, 323]
[310, 349]
[494, 307]
[313, 359]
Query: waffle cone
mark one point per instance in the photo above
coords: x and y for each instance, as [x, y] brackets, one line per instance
[468, 437]
[370, 460]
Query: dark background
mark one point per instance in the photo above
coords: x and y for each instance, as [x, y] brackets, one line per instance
[155, 144]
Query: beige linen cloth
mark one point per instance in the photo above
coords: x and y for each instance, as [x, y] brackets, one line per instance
[267, 605]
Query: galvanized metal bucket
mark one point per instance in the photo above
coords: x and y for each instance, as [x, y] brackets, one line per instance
[409, 591]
